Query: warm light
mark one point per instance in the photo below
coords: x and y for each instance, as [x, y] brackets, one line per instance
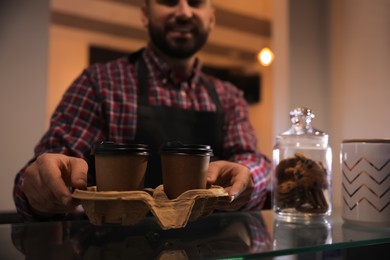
[265, 57]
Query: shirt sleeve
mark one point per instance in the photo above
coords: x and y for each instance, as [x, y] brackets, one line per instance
[74, 126]
[240, 143]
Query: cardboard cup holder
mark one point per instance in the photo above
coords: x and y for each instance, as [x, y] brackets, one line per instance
[130, 207]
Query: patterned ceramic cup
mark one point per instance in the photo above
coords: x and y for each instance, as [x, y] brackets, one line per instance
[365, 165]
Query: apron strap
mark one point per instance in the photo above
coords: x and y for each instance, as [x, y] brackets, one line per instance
[213, 94]
[142, 76]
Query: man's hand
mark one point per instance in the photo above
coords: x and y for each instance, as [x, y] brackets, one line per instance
[236, 179]
[48, 179]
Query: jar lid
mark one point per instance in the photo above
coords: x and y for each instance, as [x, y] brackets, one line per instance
[301, 119]
[188, 149]
[110, 148]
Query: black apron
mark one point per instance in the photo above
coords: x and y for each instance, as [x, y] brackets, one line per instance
[157, 125]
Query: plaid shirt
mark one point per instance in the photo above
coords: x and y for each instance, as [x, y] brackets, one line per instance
[101, 104]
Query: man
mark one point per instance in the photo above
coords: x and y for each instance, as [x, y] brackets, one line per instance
[155, 95]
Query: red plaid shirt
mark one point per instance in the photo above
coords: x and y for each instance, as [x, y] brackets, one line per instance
[101, 104]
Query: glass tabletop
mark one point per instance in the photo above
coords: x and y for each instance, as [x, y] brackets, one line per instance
[238, 235]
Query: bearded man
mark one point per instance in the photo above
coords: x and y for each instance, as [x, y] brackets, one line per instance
[154, 95]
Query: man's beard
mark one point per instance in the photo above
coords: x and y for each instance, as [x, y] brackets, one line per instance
[178, 48]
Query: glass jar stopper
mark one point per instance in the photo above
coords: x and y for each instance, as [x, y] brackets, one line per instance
[301, 118]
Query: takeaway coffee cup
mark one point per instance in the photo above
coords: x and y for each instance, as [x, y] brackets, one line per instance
[184, 167]
[365, 165]
[120, 167]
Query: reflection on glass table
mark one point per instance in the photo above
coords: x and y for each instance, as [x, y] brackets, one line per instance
[294, 235]
[219, 235]
[239, 235]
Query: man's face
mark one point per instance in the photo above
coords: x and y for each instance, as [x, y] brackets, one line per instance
[179, 28]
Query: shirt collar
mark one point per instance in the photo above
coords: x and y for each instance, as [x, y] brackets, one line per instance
[160, 66]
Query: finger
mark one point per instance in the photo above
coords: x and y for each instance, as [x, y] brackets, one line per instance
[43, 184]
[78, 173]
[42, 199]
[212, 173]
[239, 185]
[36, 192]
[240, 181]
[53, 171]
[47, 204]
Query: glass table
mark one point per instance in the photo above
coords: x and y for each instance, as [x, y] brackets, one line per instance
[239, 235]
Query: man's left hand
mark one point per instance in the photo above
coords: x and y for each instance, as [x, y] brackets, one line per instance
[237, 181]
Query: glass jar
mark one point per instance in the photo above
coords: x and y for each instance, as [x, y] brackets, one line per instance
[302, 160]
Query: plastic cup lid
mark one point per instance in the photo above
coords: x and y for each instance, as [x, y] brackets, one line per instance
[110, 148]
[189, 149]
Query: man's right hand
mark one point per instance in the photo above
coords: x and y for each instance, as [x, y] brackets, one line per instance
[48, 179]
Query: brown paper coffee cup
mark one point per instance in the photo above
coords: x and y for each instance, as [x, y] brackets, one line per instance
[120, 167]
[184, 167]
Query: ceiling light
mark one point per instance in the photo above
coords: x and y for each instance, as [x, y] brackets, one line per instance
[265, 57]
